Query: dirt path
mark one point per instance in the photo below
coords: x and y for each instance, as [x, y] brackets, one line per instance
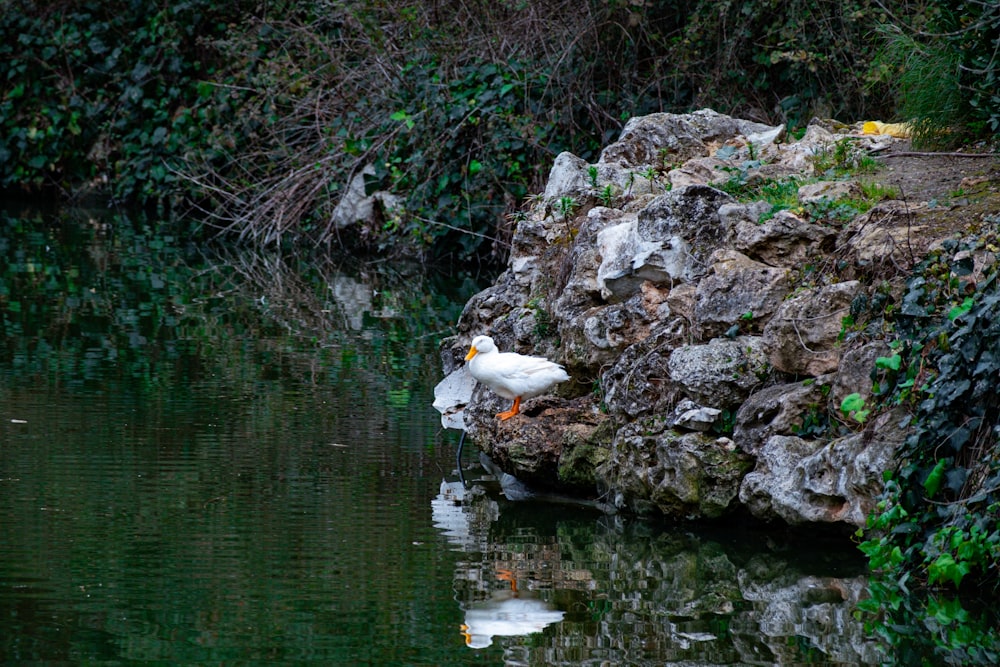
[922, 178]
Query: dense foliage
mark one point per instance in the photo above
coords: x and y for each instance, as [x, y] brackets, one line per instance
[108, 95]
[942, 58]
[261, 114]
[936, 541]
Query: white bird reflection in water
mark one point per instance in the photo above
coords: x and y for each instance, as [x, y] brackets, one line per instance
[513, 616]
[507, 612]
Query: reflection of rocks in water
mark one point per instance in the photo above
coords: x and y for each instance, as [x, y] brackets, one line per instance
[355, 300]
[633, 593]
[763, 607]
[463, 522]
[816, 611]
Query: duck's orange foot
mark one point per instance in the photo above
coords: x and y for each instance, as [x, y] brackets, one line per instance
[504, 574]
[515, 409]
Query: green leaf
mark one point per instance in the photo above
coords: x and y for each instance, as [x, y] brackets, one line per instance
[945, 568]
[954, 479]
[725, 152]
[892, 363]
[404, 117]
[906, 528]
[852, 403]
[933, 481]
[958, 311]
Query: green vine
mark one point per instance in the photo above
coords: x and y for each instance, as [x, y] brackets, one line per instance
[933, 541]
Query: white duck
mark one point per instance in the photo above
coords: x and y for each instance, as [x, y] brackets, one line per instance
[512, 375]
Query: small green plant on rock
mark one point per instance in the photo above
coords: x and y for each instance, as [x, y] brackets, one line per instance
[565, 206]
[815, 422]
[844, 158]
[544, 327]
[607, 195]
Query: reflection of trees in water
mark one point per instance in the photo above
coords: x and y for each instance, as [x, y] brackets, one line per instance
[370, 329]
[97, 298]
[636, 594]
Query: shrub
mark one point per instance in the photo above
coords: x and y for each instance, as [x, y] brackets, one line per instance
[941, 59]
[105, 95]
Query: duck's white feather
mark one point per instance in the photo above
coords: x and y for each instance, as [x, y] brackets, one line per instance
[510, 374]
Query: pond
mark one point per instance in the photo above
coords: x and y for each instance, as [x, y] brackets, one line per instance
[221, 457]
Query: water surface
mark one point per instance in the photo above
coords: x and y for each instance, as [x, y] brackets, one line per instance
[211, 457]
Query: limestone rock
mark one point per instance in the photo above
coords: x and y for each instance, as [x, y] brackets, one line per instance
[765, 138]
[889, 234]
[567, 177]
[720, 374]
[690, 416]
[784, 240]
[680, 230]
[667, 242]
[802, 481]
[803, 336]
[488, 312]
[798, 156]
[682, 299]
[782, 409]
[592, 330]
[664, 137]
[731, 214]
[554, 444]
[624, 182]
[854, 372]
[617, 246]
[580, 270]
[571, 176]
[653, 469]
[828, 190]
[638, 382]
[738, 291]
[775, 488]
[699, 171]
[598, 335]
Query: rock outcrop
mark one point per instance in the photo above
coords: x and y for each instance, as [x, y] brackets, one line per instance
[710, 341]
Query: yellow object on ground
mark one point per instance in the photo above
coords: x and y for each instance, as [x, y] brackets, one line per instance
[898, 130]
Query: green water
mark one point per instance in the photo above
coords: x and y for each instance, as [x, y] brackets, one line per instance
[211, 457]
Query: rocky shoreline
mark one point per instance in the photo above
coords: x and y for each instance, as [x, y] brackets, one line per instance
[712, 340]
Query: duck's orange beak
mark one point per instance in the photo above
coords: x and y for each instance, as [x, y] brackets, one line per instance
[472, 352]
